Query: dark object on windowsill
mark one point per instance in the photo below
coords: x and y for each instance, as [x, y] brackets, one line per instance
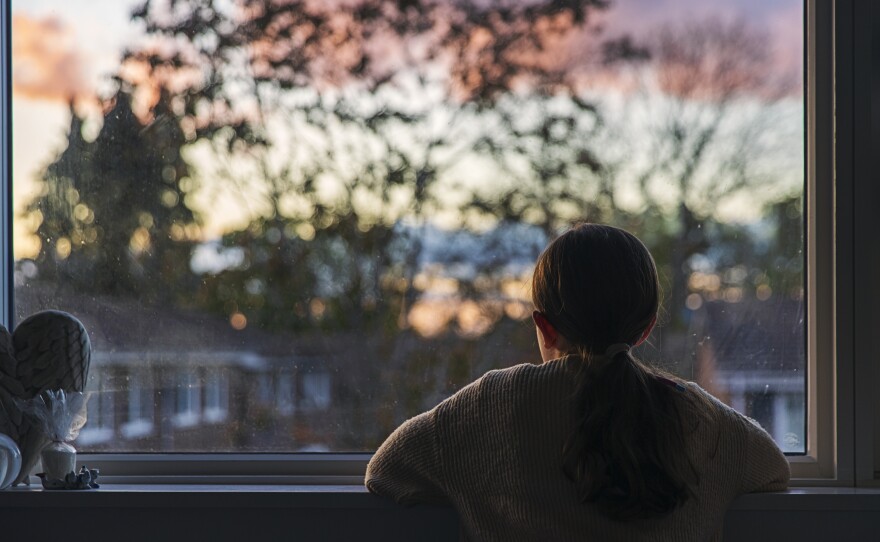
[86, 479]
[48, 351]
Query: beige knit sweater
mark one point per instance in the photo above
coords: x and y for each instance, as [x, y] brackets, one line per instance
[494, 451]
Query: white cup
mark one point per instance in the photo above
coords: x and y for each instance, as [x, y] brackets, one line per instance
[59, 459]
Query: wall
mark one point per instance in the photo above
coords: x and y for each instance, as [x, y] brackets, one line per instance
[294, 513]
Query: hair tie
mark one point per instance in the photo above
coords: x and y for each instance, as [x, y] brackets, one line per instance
[615, 349]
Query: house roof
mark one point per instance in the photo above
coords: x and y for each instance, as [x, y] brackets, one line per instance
[753, 335]
[129, 331]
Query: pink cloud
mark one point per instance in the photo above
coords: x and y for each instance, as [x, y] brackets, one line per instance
[46, 62]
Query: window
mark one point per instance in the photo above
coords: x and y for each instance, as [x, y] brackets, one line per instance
[100, 428]
[216, 395]
[264, 389]
[188, 398]
[285, 398]
[141, 405]
[352, 238]
[316, 391]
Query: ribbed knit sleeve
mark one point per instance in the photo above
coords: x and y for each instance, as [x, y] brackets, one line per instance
[766, 468]
[407, 466]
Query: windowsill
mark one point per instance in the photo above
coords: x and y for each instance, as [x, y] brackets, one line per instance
[250, 496]
[341, 511]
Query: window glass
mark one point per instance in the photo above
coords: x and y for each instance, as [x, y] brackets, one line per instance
[284, 394]
[100, 411]
[140, 416]
[216, 395]
[187, 398]
[289, 226]
[316, 391]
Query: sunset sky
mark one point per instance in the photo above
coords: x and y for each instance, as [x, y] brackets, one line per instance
[64, 50]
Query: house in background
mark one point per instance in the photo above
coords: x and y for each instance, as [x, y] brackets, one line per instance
[163, 379]
[166, 379]
[752, 356]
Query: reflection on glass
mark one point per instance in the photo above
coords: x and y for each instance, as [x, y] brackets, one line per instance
[290, 226]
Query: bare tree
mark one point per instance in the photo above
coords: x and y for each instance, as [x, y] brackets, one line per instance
[352, 118]
[709, 122]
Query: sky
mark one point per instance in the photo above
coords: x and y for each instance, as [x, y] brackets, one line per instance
[65, 49]
[60, 49]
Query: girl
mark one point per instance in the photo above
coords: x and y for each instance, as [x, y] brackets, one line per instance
[592, 444]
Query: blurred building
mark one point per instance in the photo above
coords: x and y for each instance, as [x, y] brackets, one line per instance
[167, 379]
[164, 379]
[752, 356]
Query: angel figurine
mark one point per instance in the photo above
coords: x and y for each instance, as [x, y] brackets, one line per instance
[47, 351]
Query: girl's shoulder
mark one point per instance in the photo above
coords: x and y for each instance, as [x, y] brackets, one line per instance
[712, 406]
[743, 442]
[727, 423]
[701, 396]
[703, 407]
[512, 384]
[528, 378]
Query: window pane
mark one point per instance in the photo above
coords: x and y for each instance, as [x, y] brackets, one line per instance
[292, 225]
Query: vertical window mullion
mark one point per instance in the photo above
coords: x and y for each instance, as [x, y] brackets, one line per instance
[844, 112]
[6, 311]
[866, 249]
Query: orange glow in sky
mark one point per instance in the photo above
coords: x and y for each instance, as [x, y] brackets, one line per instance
[65, 52]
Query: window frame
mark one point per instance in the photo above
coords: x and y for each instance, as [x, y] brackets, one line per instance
[6, 259]
[842, 419]
[865, 133]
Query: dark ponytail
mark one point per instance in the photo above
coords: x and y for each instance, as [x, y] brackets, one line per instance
[627, 452]
[598, 286]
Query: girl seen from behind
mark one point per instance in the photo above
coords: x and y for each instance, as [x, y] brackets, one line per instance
[592, 444]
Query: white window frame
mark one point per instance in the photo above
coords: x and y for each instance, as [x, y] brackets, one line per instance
[842, 251]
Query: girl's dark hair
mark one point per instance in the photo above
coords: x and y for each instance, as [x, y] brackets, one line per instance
[598, 286]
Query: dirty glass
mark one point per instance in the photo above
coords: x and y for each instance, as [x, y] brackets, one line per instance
[289, 226]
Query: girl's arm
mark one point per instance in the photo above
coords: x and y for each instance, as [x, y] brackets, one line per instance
[766, 468]
[406, 467]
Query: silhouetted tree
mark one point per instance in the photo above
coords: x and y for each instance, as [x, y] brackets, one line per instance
[113, 214]
[707, 122]
[377, 100]
[353, 119]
